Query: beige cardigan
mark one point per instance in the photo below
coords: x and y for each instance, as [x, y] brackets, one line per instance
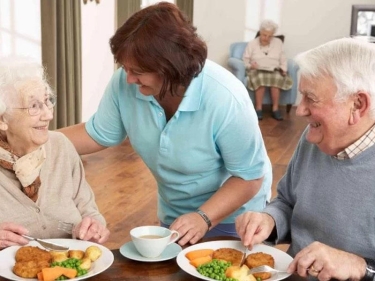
[64, 193]
[275, 57]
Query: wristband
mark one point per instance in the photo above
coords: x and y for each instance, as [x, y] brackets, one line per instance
[370, 270]
[205, 218]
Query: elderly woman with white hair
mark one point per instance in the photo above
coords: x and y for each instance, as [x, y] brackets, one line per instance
[42, 179]
[325, 202]
[266, 66]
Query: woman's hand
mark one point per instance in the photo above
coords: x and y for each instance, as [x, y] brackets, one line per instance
[254, 65]
[191, 228]
[253, 228]
[91, 229]
[325, 263]
[10, 235]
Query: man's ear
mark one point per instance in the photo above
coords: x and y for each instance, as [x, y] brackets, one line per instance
[3, 124]
[360, 107]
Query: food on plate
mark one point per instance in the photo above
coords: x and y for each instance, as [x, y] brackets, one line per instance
[239, 273]
[30, 253]
[192, 255]
[257, 259]
[31, 260]
[228, 254]
[85, 263]
[215, 269]
[224, 264]
[76, 254]
[52, 273]
[93, 253]
[201, 260]
[59, 256]
[199, 257]
[29, 269]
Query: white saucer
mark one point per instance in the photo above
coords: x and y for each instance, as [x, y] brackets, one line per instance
[129, 251]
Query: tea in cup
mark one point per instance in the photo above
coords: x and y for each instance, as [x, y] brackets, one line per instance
[151, 241]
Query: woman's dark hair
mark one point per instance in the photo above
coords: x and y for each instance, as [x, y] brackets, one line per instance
[161, 39]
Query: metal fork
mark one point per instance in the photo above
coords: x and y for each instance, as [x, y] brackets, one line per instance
[48, 245]
[65, 226]
[264, 268]
[243, 256]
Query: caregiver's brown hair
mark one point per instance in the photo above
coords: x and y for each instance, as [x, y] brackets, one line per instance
[161, 39]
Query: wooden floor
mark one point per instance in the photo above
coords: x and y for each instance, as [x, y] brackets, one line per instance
[126, 191]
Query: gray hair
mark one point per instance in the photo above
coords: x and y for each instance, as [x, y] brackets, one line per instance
[268, 25]
[15, 71]
[350, 62]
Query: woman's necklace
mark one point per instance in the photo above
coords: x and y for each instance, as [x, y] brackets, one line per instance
[265, 49]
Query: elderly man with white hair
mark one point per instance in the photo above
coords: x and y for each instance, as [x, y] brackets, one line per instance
[325, 202]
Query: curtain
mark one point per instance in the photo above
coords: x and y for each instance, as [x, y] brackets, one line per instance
[61, 56]
[125, 8]
[187, 6]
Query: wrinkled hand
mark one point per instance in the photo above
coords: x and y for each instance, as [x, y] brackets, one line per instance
[91, 229]
[253, 228]
[191, 228]
[254, 65]
[325, 263]
[10, 235]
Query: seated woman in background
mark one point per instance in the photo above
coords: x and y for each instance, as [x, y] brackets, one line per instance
[266, 66]
[42, 179]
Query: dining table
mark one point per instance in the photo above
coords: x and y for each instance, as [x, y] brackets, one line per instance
[125, 269]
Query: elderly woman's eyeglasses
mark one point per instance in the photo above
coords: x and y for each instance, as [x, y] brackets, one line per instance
[36, 106]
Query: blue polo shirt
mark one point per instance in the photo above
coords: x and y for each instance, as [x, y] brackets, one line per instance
[213, 135]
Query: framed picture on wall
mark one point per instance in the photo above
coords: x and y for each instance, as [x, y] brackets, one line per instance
[363, 20]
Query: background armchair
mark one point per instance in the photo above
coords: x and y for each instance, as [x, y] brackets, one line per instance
[237, 67]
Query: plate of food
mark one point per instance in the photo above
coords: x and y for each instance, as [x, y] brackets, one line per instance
[200, 254]
[93, 258]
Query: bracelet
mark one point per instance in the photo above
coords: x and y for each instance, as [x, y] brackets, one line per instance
[205, 218]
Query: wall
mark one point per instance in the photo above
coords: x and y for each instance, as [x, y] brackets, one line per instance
[305, 24]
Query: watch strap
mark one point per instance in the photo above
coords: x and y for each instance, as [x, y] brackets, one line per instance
[370, 270]
[205, 218]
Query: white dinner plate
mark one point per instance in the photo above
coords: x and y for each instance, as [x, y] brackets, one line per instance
[7, 258]
[282, 259]
[129, 251]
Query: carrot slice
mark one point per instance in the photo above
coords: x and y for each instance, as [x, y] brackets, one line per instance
[40, 276]
[70, 272]
[192, 255]
[51, 273]
[201, 260]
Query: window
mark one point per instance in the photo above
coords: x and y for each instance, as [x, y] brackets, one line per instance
[20, 30]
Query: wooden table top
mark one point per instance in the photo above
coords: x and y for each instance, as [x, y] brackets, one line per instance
[124, 269]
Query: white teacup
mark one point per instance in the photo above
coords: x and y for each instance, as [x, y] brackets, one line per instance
[151, 241]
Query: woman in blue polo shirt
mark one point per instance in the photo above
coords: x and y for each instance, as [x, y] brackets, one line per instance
[190, 120]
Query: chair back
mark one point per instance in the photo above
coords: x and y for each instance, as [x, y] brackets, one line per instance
[237, 49]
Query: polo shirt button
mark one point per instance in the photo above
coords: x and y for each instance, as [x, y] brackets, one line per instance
[160, 113]
[37, 210]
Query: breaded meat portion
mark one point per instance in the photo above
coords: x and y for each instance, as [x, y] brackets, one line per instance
[29, 269]
[228, 254]
[30, 261]
[30, 253]
[257, 259]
